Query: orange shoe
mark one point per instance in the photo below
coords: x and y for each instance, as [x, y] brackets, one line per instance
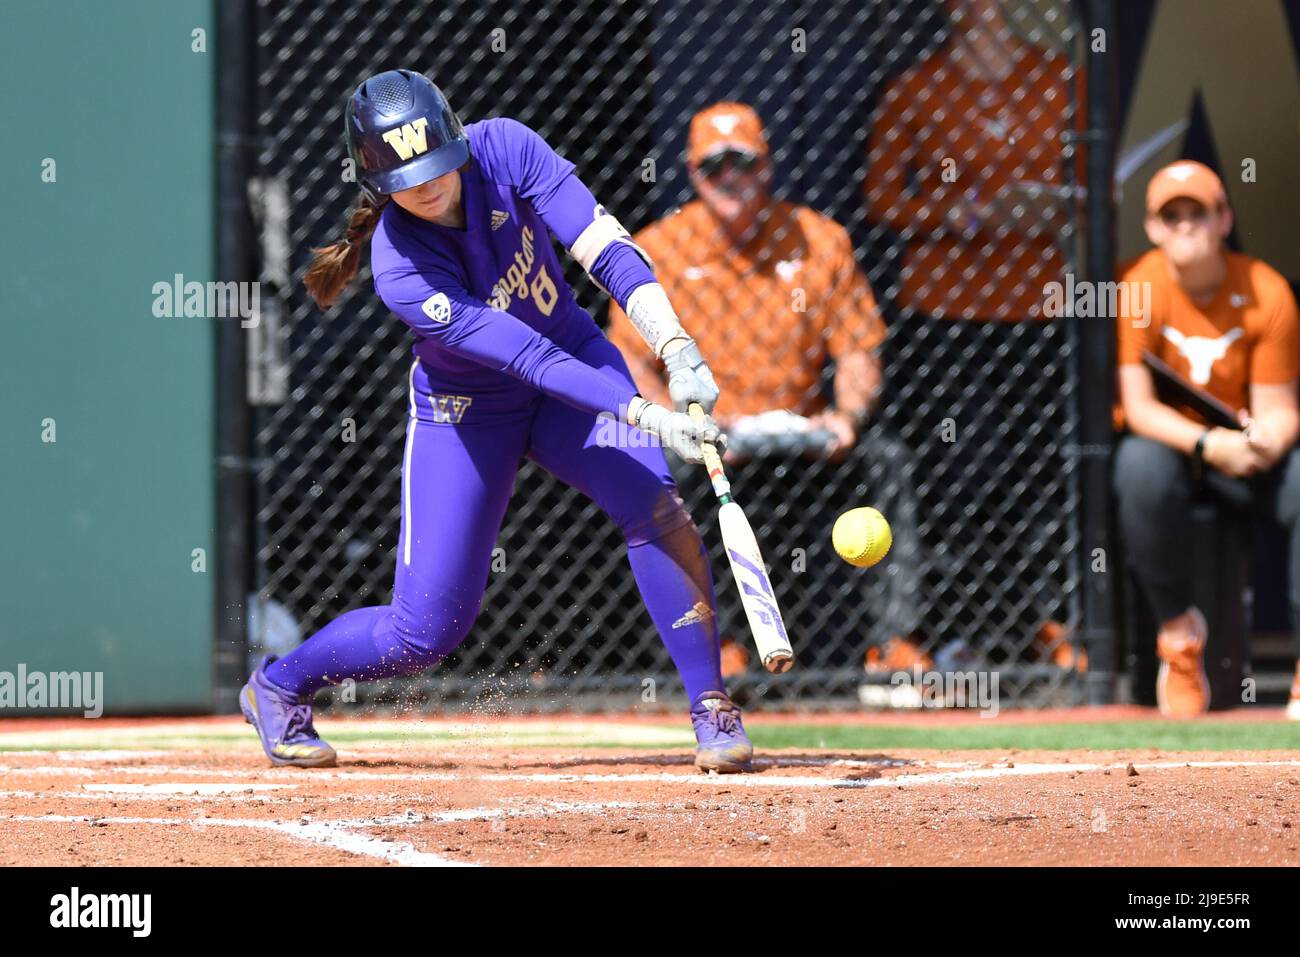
[735, 659]
[1053, 641]
[897, 654]
[1293, 705]
[1182, 690]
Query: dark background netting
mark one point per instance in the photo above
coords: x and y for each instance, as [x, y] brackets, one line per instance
[610, 85]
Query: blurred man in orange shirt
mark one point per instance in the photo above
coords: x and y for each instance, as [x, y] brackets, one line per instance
[775, 284]
[965, 163]
[776, 295]
[967, 166]
[1228, 323]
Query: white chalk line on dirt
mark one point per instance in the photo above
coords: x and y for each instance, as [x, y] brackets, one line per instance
[359, 774]
[447, 733]
[660, 777]
[330, 834]
[462, 755]
[341, 835]
[897, 780]
[180, 789]
[542, 809]
[108, 754]
[263, 799]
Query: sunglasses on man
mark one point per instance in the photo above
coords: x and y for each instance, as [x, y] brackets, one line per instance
[712, 166]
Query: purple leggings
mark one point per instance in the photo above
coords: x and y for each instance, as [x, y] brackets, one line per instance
[456, 484]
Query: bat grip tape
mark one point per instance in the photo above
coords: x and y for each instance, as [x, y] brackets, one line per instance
[712, 461]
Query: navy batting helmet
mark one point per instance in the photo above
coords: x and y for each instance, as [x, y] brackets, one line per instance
[402, 132]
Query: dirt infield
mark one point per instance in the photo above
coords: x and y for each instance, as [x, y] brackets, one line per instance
[207, 796]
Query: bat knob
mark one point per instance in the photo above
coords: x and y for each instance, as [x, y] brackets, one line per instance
[779, 662]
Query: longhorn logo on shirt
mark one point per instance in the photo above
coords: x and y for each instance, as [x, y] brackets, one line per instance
[408, 139]
[449, 409]
[786, 268]
[1201, 352]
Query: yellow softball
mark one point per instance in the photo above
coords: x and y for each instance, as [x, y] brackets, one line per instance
[861, 537]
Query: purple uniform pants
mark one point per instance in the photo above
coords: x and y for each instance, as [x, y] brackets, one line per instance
[457, 478]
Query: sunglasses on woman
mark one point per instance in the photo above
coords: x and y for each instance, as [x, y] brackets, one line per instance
[1172, 217]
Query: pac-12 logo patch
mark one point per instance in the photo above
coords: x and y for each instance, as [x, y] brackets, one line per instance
[437, 308]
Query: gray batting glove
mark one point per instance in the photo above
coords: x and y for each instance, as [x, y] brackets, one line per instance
[689, 379]
[679, 432]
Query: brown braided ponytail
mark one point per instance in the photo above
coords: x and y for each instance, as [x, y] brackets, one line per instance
[334, 266]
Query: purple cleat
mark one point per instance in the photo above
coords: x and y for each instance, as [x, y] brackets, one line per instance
[723, 746]
[283, 722]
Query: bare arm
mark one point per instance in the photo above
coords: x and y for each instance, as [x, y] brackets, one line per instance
[1231, 452]
[1150, 418]
[1276, 416]
[857, 387]
[857, 381]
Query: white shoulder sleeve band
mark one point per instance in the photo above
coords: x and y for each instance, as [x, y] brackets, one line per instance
[600, 232]
[653, 316]
[648, 306]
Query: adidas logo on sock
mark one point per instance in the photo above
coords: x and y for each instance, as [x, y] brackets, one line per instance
[698, 613]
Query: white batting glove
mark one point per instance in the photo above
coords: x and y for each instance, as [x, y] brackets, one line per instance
[677, 430]
[690, 379]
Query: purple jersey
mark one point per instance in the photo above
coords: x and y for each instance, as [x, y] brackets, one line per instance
[495, 320]
[497, 326]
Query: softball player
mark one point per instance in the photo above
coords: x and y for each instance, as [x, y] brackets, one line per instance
[507, 365]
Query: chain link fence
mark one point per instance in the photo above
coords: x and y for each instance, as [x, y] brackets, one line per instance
[936, 138]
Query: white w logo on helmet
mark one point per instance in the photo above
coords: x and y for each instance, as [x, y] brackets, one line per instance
[409, 138]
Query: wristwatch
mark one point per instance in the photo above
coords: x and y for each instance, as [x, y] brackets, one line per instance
[1200, 444]
[1198, 454]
